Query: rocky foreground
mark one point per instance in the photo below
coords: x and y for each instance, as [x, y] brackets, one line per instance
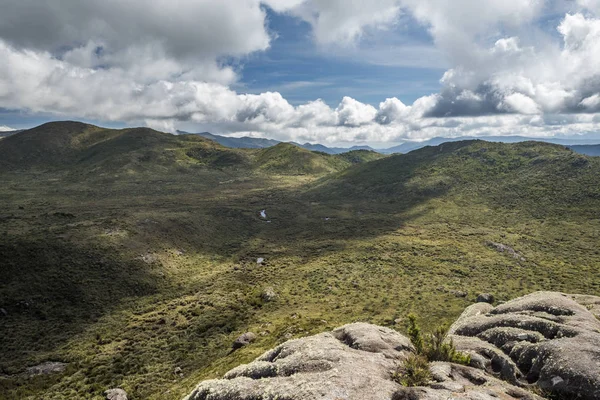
[543, 345]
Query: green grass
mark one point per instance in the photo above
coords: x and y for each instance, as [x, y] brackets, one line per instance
[135, 260]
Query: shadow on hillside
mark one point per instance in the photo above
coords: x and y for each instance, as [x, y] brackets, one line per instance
[306, 222]
[52, 290]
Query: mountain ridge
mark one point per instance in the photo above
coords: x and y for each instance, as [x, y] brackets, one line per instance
[249, 142]
[70, 145]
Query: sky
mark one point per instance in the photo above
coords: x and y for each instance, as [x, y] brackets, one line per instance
[336, 72]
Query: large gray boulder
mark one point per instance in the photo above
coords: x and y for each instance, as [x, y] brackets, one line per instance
[547, 339]
[354, 362]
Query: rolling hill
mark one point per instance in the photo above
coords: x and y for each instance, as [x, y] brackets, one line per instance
[137, 258]
[288, 158]
[526, 170]
[74, 146]
[261, 143]
[574, 143]
[243, 142]
[66, 145]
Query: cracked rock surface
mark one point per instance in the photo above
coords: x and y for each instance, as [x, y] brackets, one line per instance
[547, 339]
[353, 362]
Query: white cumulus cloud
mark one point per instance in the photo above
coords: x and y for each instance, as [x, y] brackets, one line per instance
[160, 63]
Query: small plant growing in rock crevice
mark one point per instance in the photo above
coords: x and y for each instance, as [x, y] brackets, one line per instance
[414, 371]
[435, 346]
[440, 348]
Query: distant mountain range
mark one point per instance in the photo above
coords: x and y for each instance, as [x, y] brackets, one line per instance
[578, 144]
[589, 150]
[583, 145]
[260, 143]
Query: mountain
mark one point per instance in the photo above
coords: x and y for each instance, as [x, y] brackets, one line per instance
[411, 146]
[590, 150]
[333, 150]
[260, 143]
[257, 143]
[535, 177]
[83, 148]
[236, 143]
[77, 146]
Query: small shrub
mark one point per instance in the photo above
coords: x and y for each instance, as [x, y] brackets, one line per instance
[439, 348]
[414, 333]
[413, 372]
[435, 346]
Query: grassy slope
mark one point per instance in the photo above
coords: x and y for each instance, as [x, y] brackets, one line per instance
[286, 158]
[130, 275]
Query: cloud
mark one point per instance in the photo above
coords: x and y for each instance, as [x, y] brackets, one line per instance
[149, 40]
[344, 21]
[390, 111]
[354, 113]
[160, 63]
[4, 128]
[509, 76]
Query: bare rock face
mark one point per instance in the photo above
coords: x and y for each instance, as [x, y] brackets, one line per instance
[547, 339]
[452, 381]
[354, 362]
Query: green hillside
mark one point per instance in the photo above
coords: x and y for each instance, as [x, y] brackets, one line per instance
[86, 149]
[133, 254]
[287, 158]
[529, 176]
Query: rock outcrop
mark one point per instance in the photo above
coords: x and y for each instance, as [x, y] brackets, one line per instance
[115, 394]
[244, 340]
[452, 381]
[549, 342]
[352, 362]
[46, 368]
[547, 339]
[485, 298]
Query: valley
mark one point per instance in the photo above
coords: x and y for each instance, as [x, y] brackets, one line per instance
[131, 255]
